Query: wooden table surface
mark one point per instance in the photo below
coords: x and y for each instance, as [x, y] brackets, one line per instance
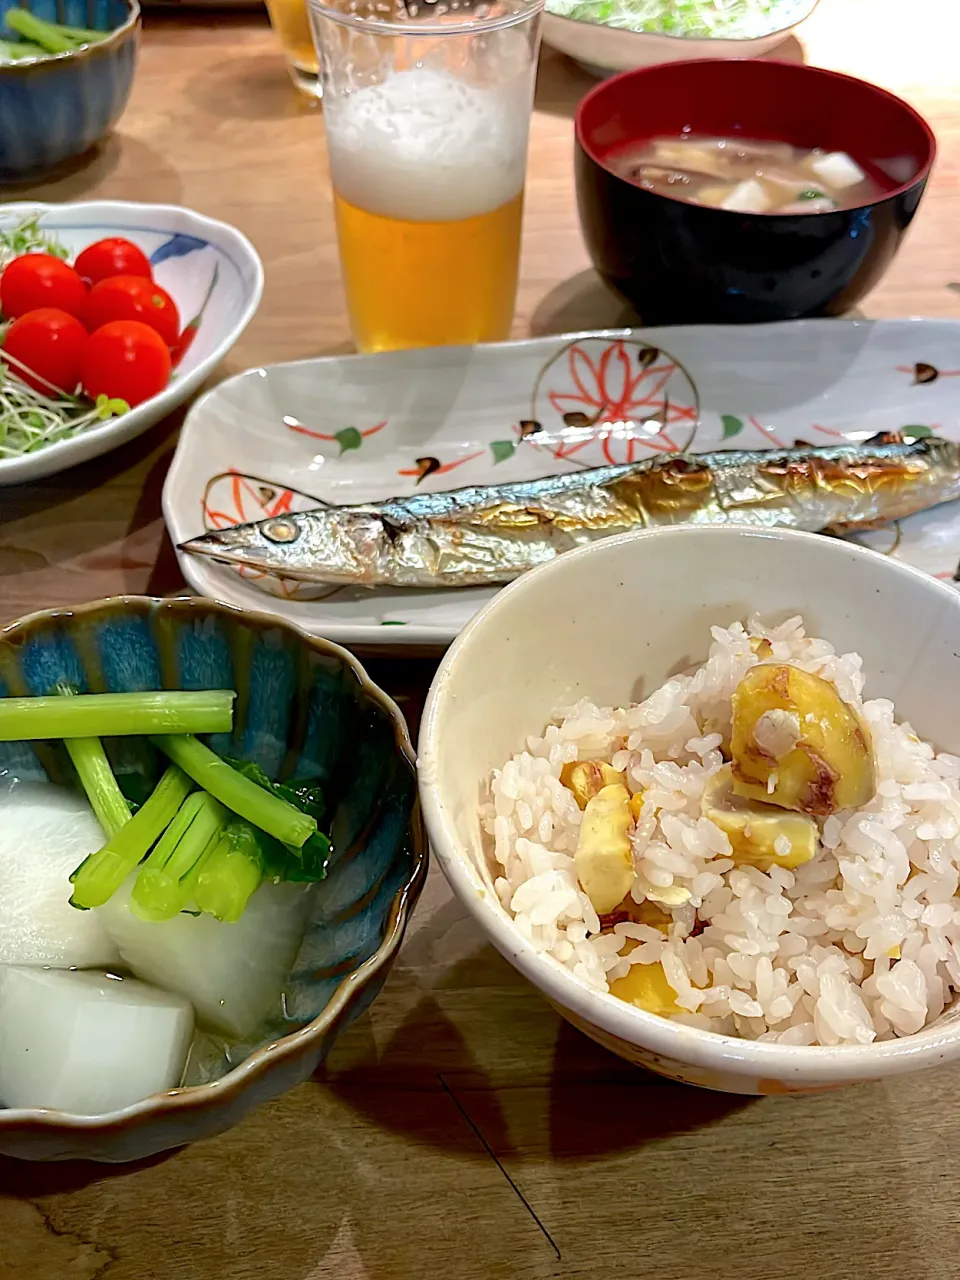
[461, 1130]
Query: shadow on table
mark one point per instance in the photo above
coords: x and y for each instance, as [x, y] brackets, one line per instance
[489, 1058]
[251, 88]
[80, 484]
[22, 1179]
[561, 83]
[582, 301]
[108, 171]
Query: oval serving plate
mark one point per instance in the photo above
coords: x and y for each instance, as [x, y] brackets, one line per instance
[211, 270]
[364, 428]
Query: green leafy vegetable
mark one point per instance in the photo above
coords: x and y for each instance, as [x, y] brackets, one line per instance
[100, 875]
[243, 796]
[112, 715]
[49, 36]
[160, 891]
[243, 859]
[96, 776]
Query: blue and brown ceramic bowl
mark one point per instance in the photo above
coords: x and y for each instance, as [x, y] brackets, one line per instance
[305, 709]
[681, 263]
[52, 109]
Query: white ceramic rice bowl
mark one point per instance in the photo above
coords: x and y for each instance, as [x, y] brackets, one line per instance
[616, 618]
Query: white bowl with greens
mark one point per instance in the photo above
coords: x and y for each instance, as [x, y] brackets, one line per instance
[619, 35]
[211, 271]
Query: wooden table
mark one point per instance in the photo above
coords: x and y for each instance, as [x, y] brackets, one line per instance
[461, 1130]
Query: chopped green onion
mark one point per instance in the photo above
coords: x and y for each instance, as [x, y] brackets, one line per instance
[159, 891]
[812, 194]
[264, 809]
[91, 763]
[114, 715]
[100, 875]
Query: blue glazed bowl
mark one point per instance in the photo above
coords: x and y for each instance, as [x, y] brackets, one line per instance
[52, 109]
[305, 709]
[682, 263]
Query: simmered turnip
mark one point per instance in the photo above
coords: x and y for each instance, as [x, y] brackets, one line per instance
[233, 974]
[45, 833]
[87, 1043]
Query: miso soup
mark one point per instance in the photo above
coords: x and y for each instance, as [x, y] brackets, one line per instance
[747, 176]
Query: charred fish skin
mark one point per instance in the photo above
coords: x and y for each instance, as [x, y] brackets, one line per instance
[489, 534]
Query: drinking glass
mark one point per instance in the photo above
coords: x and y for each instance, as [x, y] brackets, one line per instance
[291, 23]
[427, 112]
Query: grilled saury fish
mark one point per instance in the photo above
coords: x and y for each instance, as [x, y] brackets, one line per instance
[492, 533]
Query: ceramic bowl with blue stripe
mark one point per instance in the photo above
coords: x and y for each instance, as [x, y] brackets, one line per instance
[305, 709]
[210, 269]
[55, 108]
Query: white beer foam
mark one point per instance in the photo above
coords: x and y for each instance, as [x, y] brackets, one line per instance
[426, 147]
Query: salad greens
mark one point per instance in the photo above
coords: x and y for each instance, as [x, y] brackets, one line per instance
[28, 237]
[30, 419]
[704, 19]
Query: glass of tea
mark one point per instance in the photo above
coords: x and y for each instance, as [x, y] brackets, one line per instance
[291, 23]
[427, 114]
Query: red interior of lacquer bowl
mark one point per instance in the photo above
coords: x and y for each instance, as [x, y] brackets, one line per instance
[781, 101]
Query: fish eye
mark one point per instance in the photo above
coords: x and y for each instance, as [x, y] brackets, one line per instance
[280, 530]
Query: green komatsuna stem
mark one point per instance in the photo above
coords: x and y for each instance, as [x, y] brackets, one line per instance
[96, 776]
[48, 35]
[116, 715]
[82, 35]
[159, 892]
[232, 874]
[239, 794]
[100, 875]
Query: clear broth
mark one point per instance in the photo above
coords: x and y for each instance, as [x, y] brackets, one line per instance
[747, 176]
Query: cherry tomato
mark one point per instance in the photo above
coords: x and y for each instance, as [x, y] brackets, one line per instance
[51, 344]
[40, 280]
[112, 257]
[133, 298]
[125, 360]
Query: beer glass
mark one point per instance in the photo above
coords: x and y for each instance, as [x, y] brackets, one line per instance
[427, 112]
[292, 26]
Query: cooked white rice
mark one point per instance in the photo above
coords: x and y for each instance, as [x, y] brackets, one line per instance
[862, 943]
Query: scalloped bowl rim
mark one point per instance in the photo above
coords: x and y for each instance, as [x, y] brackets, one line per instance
[262, 1061]
[63, 450]
[690, 1045]
[743, 41]
[114, 36]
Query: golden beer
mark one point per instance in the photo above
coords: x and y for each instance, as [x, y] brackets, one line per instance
[427, 120]
[291, 22]
[424, 284]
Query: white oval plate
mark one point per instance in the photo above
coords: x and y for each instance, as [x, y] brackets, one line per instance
[209, 269]
[361, 428]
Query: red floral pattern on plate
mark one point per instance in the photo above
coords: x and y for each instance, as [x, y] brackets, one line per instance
[233, 498]
[624, 397]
